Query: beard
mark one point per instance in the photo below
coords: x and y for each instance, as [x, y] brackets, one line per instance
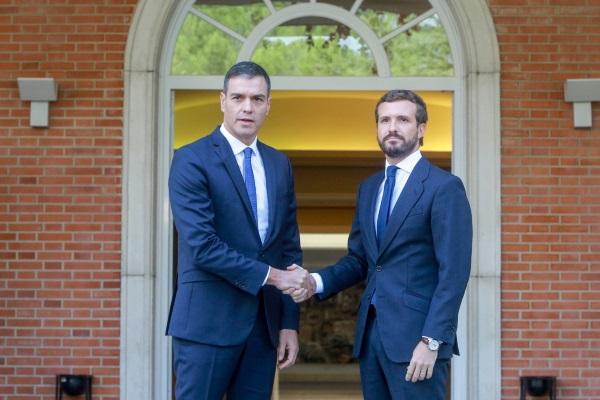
[400, 150]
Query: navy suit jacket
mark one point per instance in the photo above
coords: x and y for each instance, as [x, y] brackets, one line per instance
[420, 271]
[221, 261]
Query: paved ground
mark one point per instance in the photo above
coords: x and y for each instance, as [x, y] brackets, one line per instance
[345, 391]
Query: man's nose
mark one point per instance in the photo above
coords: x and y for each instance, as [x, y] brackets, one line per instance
[247, 106]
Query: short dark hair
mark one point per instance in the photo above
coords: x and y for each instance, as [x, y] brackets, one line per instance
[397, 95]
[247, 69]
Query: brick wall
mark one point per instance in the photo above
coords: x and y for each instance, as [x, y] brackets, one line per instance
[550, 196]
[60, 196]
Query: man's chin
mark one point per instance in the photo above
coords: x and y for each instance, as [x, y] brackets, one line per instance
[394, 151]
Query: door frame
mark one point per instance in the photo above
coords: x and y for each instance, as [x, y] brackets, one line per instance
[146, 248]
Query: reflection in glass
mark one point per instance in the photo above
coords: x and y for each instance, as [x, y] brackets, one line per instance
[421, 51]
[240, 16]
[202, 49]
[315, 47]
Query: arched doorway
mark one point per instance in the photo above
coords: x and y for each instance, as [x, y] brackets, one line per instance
[146, 224]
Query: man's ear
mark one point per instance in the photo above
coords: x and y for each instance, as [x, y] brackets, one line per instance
[421, 129]
[223, 96]
[268, 105]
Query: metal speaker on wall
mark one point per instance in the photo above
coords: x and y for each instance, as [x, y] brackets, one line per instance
[74, 385]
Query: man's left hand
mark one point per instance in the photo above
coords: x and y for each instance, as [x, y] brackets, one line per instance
[288, 348]
[421, 364]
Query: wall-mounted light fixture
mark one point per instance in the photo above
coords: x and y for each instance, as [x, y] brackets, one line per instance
[73, 385]
[538, 386]
[581, 92]
[40, 91]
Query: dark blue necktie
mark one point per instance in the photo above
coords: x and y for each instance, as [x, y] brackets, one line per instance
[249, 179]
[386, 201]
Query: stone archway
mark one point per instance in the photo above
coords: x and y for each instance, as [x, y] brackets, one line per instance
[145, 353]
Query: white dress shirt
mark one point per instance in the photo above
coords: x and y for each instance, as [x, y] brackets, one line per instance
[260, 181]
[405, 168]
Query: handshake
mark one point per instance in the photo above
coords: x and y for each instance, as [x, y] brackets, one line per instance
[295, 281]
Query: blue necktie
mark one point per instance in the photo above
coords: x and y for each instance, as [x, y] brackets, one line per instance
[249, 179]
[386, 200]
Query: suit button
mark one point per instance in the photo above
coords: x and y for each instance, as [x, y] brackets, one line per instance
[379, 268]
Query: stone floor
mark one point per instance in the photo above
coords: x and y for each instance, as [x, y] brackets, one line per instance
[320, 391]
[320, 382]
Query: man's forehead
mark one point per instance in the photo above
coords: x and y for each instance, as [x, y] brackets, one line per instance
[244, 83]
[400, 107]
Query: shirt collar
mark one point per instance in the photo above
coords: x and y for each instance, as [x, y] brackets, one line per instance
[408, 164]
[236, 145]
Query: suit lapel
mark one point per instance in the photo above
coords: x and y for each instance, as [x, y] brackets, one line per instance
[369, 212]
[410, 194]
[225, 153]
[270, 171]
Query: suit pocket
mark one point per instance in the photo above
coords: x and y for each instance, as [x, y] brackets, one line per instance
[416, 303]
[196, 275]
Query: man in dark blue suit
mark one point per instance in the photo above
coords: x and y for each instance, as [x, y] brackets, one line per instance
[234, 207]
[411, 242]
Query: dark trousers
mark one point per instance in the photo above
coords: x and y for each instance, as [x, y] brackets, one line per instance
[243, 372]
[383, 379]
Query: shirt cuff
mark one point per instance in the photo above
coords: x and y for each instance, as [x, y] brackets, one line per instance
[318, 282]
[267, 277]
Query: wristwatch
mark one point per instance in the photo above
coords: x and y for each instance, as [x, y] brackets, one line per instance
[432, 344]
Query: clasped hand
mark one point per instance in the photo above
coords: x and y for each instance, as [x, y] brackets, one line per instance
[295, 281]
[303, 292]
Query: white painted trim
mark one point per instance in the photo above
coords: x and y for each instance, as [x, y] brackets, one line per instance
[323, 83]
[217, 25]
[356, 6]
[270, 6]
[407, 26]
[476, 156]
[145, 263]
[328, 11]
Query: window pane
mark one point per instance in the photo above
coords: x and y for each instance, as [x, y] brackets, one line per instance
[315, 47]
[240, 16]
[345, 4]
[421, 51]
[202, 49]
[283, 4]
[383, 16]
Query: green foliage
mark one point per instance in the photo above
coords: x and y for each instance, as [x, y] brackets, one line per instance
[241, 19]
[314, 51]
[423, 52]
[201, 49]
[300, 50]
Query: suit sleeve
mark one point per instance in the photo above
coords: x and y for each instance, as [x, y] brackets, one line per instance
[292, 254]
[452, 232]
[350, 269]
[194, 217]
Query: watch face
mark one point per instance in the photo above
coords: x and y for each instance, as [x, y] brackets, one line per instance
[433, 345]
